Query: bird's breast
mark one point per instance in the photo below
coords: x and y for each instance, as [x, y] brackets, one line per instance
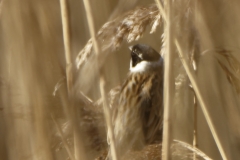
[136, 115]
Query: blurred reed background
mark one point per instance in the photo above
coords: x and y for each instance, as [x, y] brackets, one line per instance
[36, 110]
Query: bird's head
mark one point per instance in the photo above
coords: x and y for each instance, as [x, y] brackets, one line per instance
[144, 58]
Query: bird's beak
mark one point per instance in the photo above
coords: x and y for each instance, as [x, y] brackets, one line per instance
[130, 48]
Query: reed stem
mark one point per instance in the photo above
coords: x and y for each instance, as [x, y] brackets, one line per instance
[66, 39]
[168, 84]
[192, 78]
[107, 112]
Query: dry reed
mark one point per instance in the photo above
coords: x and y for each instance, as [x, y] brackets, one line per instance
[79, 151]
[121, 35]
[193, 80]
[30, 67]
[231, 67]
[169, 88]
[179, 144]
[233, 79]
[195, 127]
[107, 112]
[67, 43]
[131, 26]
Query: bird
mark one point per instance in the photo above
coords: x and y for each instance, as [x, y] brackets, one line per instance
[137, 104]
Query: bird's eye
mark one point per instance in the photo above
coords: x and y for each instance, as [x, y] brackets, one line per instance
[135, 50]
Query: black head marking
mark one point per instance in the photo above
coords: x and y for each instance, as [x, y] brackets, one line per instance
[142, 52]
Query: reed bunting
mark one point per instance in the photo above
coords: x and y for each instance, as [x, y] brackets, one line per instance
[137, 105]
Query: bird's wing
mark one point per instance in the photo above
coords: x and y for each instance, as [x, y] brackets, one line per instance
[152, 110]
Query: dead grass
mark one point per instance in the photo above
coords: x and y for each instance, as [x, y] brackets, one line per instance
[38, 50]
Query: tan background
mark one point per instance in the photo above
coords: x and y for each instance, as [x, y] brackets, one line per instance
[32, 61]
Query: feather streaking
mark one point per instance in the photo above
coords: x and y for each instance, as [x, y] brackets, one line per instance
[138, 109]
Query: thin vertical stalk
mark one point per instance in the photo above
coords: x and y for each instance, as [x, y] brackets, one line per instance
[195, 131]
[66, 39]
[198, 95]
[79, 150]
[192, 78]
[168, 84]
[107, 112]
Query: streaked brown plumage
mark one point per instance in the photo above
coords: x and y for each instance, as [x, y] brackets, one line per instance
[137, 104]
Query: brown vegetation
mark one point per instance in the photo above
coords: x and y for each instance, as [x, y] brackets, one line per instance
[54, 55]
